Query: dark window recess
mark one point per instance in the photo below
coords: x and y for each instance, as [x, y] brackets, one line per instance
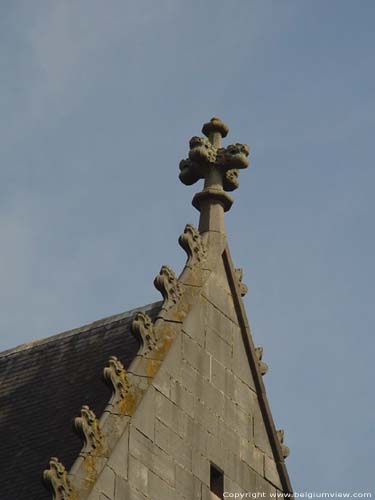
[217, 481]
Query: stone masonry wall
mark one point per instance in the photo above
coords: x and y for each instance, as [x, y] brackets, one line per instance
[201, 408]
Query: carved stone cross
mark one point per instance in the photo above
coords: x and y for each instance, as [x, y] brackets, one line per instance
[219, 167]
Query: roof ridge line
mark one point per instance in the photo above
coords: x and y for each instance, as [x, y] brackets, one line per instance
[80, 329]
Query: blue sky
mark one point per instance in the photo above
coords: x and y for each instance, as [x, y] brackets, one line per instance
[98, 101]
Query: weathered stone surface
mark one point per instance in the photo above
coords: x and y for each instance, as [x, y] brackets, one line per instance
[201, 466]
[159, 489]
[236, 418]
[123, 491]
[196, 356]
[183, 398]
[245, 396]
[118, 461]
[195, 323]
[271, 472]
[261, 439]
[232, 487]
[218, 348]
[144, 419]
[265, 487]
[157, 460]
[138, 475]
[107, 482]
[252, 456]
[169, 413]
[222, 378]
[241, 365]
[173, 444]
[187, 485]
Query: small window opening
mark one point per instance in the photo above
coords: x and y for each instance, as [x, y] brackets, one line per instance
[216, 482]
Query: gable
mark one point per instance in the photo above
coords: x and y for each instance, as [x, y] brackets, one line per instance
[205, 405]
[192, 402]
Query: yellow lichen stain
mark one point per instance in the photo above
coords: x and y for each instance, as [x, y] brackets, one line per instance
[90, 469]
[127, 404]
[73, 495]
[152, 367]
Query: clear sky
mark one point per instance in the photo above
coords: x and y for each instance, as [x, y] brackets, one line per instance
[97, 103]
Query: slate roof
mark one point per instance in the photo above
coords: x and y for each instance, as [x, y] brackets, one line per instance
[42, 388]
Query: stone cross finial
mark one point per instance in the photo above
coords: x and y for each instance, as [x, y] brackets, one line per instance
[219, 167]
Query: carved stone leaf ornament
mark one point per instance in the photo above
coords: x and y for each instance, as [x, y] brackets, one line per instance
[284, 448]
[57, 480]
[191, 241]
[263, 367]
[118, 379]
[87, 427]
[243, 288]
[143, 328]
[207, 159]
[167, 284]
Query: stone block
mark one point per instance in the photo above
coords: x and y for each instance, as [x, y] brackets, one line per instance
[241, 366]
[218, 294]
[118, 460]
[223, 326]
[216, 452]
[218, 348]
[229, 437]
[244, 396]
[144, 416]
[187, 485]
[271, 473]
[168, 412]
[162, 381]
[138, 475]
[198, 438]
[171, 364]
[157, 460]
[106, 482]
[207, 493]
[183, 398]
[95, 494]
[236, 418]
[206, 417]
[222, 378]
[232, 487]
[201, 467]
[245, 476]
[196, 321]
[261, 438]
[173, 444]
[213, 398]
[191, 379]
[196, 356]
[186, 426]
[124, 491]
[252, 456]
[263, 486]
[160, 490]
